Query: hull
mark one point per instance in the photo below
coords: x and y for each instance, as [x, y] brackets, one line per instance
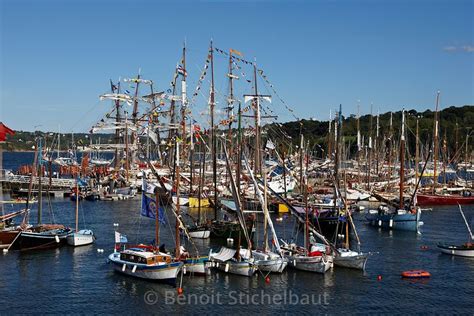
[461, 251]
[199, 266]
[406, 222]
[200, 233]
[427, 199]
[80, 239]
[7, 237]
[164, 272]
[243, 268]
[269, 262]
[318, 264]
[352, 261]
[43, 240]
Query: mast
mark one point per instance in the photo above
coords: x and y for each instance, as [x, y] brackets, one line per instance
[358, 142]
[177, 235]
[239, 151]
[213, 132]
[417, 151]
[390, 150]
[402, 161]
[435, 144]
[157, 217]
[77, 206]
[257, 122]
[40, 173]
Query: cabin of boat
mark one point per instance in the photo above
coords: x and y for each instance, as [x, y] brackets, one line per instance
[137, 255]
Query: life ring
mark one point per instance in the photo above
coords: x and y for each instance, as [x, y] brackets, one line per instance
[310, 189]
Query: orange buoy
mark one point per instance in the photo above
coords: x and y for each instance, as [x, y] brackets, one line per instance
[379, 278]
[180, 290]
[267, 280]
[415, 274]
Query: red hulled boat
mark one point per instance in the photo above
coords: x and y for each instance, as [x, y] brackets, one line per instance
[449, 199]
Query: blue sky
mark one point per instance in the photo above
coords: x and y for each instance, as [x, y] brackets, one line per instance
[57, 56]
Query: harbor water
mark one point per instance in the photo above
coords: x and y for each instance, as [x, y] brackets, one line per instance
[79, 280]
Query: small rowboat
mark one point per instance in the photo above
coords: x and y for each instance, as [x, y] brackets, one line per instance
[415, 274]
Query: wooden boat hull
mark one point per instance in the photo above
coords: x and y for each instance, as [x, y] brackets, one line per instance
[269, 261]
[244, 268]
[456, 250]
[199, 266]
[200, 233]
[7, 237]
[80, 239]
[32, 240]
[164, 272]
[318, 264]
[406, 222]
[352, 262]
[428, 199]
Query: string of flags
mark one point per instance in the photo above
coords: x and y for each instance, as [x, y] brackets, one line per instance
[201, 79]
[233, 56]
[265, 78]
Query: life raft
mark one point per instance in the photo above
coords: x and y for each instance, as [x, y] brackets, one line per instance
[415, 274]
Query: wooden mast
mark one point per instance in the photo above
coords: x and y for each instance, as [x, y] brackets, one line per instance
[435, 145]
[177, 235]
[157, 218]
[402, 161]
[77, 205]
[213, 132]
[358, 143]
[257, 122]
[417, 150]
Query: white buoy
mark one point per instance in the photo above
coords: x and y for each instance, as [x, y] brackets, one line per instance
[56, 238]
[124, 267]
[184, 269]
[217, 264]
[227, 267]
[294, 263]
[5, 250]
[390, 223]
[134, 268]
[380, 222]
[230, 241]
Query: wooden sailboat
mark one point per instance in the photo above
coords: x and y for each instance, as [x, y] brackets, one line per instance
[465, 250]
[313, 256]
[41, 236]
[146, 262]
[236, 261]
[266, 259]
[401, 218]
[80, 237]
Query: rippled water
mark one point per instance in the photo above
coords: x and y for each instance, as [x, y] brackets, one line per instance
[78, 280]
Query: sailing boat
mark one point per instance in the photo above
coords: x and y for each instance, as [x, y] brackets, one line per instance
[313, 256]
[465, 250]
[345, 256]
[401, 218]
[236, 261]
[80, 237]
[147, 262]
[199, 230]
[265, 259]
[40, 236]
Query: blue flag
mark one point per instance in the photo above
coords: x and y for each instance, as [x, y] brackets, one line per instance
[149, 209]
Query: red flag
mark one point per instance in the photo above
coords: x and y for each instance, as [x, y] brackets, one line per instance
[4, 131]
